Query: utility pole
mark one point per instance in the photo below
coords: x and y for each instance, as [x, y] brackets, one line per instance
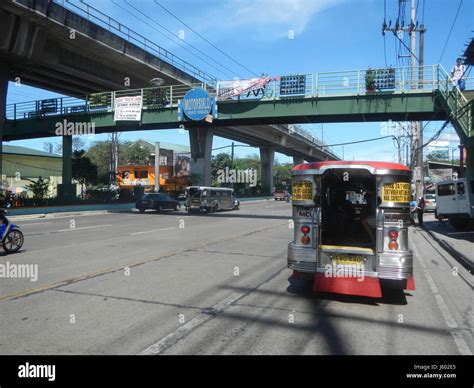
[416, 82]
[157, 167]
[232, 161]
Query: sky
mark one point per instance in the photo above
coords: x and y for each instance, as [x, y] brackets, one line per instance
[279, 37]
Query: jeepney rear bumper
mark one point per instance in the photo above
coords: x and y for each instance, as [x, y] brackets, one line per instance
[302, 259]
[395, 266]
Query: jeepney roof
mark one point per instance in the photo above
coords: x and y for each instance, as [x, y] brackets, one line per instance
[208, 188]
[322, 166]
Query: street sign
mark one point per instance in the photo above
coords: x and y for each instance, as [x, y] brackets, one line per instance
[197, 104]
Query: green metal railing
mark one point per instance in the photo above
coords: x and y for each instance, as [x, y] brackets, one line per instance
[375, 82]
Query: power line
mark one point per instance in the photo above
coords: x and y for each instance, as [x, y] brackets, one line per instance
[450, 31]
[359, 141]
[203, 38]
[173, 39]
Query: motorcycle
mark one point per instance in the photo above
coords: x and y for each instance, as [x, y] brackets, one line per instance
[11, 236]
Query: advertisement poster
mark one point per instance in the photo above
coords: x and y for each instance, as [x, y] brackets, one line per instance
[128, 108]
[182, 164]
[229, 89]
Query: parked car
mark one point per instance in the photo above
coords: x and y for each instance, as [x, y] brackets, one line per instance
[157, 202]
[430, 202]
[279, 195]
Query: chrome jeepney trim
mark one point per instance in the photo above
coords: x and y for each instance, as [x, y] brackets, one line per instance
[302, 259]
[395, 265]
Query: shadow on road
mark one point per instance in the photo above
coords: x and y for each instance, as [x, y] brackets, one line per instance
[226, 214]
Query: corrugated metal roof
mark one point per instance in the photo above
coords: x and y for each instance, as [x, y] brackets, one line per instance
[16, 150]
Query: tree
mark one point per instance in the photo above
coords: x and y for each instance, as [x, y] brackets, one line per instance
[219, 162]
[135, 153]
[100, 155]
[78, 143]
[39, 188]
[83, 170]
[282, 176]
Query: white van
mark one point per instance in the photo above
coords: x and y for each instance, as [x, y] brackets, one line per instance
[455, 201]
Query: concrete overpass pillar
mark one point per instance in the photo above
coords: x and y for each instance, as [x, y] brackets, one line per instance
[469, 159]
[298, 160]
[66, 190]
[267, 156]
[4, 77]
[200, 140]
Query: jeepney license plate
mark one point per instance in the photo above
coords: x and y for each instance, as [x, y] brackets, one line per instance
[348, 260]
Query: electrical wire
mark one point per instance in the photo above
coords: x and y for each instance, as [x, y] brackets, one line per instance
[450, 31]
[206, 40]
[174, 40]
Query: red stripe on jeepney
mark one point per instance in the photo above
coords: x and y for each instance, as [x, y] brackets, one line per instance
[381, 165]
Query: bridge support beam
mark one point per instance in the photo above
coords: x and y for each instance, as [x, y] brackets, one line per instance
[298, 160]
[4, 77]
[267, 156]
[200, 140]
[469, 174]
[66, 190]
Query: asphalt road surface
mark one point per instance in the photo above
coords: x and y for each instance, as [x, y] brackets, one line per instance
[174, 283]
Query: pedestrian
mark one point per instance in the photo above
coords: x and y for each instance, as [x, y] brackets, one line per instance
[420, 208]
[458, 74]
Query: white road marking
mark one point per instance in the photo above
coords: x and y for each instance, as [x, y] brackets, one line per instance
[36, 223]
[84, 227]
[448, 317]
[462, 346]
[151, 231]
[459, 233]
[187, 328]
[268, 207]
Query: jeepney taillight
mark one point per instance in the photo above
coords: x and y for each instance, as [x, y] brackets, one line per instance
[393, 236]
[305, 240]
[305, 229]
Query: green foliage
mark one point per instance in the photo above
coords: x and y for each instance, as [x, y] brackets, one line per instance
[135, 153]
[97, 100]
[83, 170]
[39, 188]
[370, 79]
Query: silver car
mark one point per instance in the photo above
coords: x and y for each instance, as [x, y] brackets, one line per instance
[430, 202]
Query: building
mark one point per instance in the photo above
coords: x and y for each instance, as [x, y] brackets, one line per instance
[21, 165]
[175, 168]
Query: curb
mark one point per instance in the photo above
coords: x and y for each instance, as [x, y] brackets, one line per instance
[76, 213]
[458, 256]
[65, 214]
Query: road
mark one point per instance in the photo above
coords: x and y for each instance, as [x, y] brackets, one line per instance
[129, 283]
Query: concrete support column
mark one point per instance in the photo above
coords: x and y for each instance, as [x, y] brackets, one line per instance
[267, 156]
[66, 190]
[298, 160]
[469, 172]
[200, 140]
[4, 77]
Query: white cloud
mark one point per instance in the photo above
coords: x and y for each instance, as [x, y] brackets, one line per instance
[267, 19]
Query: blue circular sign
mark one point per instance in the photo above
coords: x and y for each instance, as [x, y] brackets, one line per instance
[197, 104]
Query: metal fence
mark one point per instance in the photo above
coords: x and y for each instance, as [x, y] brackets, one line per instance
[300, 86]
